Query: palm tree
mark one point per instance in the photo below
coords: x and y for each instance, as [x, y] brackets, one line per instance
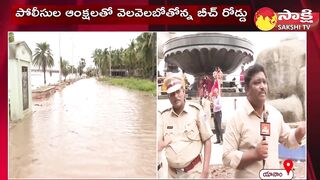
[130, 54]
[43, 58]
[65, 67]
[105, 61]
[117, 61]
[146, 43]
[97, 59]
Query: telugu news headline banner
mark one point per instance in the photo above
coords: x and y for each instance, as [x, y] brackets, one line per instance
[236, 15]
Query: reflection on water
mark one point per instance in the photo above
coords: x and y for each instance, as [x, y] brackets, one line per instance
[88, 130]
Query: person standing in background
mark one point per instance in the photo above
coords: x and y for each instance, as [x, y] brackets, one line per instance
[206, 104]
[220, 79]
[209, 84]
[242, 77]
[217, 115]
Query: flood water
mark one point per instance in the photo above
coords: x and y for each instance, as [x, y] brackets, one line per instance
[87, 130]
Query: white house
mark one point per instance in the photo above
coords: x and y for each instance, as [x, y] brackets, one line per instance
[19, 82]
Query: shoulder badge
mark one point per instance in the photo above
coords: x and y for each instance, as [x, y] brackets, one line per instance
[195, 105]
[164, 110]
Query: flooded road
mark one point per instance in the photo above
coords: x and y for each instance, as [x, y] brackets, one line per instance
[87, 130]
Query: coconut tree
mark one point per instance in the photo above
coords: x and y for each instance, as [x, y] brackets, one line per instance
[146, 46]
[65, 68]
[130, 56]
[106, 58]
[43, 58]
[98, 59]
[117, 60]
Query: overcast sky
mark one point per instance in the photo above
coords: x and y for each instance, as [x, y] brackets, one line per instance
[76, 45]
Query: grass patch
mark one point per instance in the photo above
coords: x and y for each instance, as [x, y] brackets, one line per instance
[132, 83]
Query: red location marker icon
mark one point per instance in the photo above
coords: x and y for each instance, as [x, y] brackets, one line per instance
[288, 164]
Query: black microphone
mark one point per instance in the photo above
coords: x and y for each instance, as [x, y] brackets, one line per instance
[264, 130]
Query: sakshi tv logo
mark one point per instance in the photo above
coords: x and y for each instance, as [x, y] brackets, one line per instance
[267, 19]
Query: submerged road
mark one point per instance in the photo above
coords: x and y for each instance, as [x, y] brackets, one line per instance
[87, 130]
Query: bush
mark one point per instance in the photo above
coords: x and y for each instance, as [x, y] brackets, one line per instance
[132, 83]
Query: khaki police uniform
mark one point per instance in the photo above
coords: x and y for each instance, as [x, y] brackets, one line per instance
[206, 104]
[162, 163]
[187, 132]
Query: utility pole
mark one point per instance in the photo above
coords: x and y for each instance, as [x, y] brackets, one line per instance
[110, 61]
[72, 58]
[60, 60]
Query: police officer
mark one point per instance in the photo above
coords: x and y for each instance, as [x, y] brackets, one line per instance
[182, 133]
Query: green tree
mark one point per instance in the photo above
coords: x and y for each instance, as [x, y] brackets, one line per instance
[65, 68]
[11, 37]
[146, 52]
[130, 57]
[91, 72]
[72, 69]
[43, 58]
[82, 64]
[139, 56]
[117, 60]
[106, 58]
[98, 60]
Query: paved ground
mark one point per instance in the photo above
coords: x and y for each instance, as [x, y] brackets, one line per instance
[218, 170]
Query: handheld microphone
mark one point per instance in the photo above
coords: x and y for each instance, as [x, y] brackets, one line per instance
[264, 130]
